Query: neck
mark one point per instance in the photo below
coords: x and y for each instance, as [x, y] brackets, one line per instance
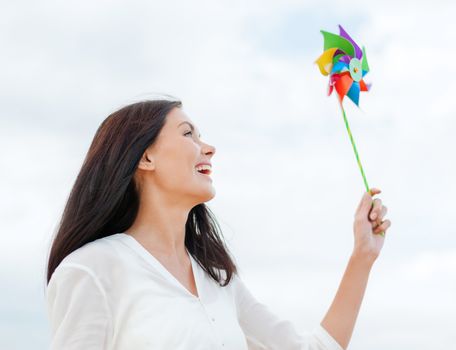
[160, 224]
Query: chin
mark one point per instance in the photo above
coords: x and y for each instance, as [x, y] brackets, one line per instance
[210, 196]
[207, 196]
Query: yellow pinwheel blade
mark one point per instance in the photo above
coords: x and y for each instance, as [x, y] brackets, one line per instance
[325, 61]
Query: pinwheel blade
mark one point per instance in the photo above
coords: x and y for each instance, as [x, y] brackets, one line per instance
[330, 88]
[337, 57]
[339, 67]
[343, 85]
[325, 62]
[364, 64]
[353, 93]
[344, 34]
[345, 58]
[335, 41]
[363, 86]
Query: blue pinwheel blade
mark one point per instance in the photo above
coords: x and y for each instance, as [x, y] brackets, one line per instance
[339, 67]
[353, 93]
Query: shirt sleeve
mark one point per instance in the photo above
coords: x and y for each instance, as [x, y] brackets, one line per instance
[265, 330]
[77, 309]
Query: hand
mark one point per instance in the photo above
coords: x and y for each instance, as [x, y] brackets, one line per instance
[369, 226]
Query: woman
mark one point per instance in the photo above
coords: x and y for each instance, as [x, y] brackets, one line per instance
[139, 262]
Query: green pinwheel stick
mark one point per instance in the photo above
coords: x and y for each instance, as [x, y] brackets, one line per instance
[354, 147]
[346, 64]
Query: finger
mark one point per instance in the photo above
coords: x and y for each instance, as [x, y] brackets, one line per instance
[366, 202]
[376, 209]
[383, 212]
[378, 221]
[383, 227]
[373, 191]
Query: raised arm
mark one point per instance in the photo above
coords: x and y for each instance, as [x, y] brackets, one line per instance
[264, 329]
[341, 317]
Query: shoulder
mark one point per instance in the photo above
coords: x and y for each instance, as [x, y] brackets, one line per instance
[100, 259]
[99, 251]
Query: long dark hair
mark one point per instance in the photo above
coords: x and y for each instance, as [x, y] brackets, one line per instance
[104, 199]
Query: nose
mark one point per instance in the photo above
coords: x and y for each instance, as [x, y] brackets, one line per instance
[208, 149]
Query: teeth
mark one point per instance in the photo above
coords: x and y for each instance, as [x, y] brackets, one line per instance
[203, 167]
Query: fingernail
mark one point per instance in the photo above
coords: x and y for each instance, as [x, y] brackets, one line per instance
[373, 216]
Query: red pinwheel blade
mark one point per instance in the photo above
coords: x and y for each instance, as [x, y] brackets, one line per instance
[343, 84]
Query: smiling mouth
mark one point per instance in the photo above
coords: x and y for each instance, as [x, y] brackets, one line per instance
[204, 169]
[205, 172]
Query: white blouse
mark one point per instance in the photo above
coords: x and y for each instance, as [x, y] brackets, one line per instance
[113, 294]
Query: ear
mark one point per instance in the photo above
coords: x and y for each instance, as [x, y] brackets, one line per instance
[147, 161]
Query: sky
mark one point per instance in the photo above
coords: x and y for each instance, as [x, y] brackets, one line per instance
[287, 183]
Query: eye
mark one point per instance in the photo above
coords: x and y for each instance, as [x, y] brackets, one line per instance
[188, 132]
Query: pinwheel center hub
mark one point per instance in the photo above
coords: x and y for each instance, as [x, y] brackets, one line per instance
[355, 69]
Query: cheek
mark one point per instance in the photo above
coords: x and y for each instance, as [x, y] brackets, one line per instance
[178, 160]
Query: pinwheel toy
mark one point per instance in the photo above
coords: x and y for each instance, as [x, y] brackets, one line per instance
[346, 65]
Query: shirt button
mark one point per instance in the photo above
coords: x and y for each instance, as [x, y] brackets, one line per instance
[213, 319]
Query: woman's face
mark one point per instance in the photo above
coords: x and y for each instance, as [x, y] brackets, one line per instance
[170, 163]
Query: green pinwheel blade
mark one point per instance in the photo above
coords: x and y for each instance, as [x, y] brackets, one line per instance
[337, 57]
[364, 64]
[332, 40]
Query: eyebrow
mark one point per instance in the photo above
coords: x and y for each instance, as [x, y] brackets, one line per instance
[190, 125]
